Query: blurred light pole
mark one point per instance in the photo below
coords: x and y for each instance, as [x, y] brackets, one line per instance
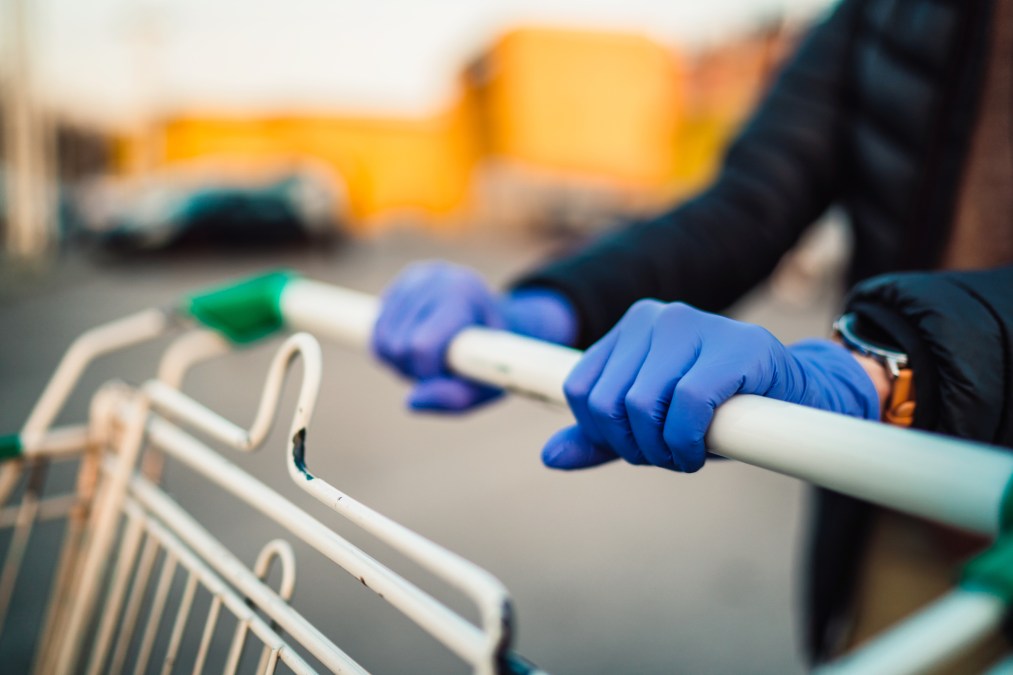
[29, 215]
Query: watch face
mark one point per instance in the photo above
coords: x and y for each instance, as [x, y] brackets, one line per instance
[861, 336]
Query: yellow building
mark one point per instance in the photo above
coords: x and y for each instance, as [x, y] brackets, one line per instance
[613, 118]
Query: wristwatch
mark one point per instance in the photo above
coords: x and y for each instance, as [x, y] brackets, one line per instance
[900, 405]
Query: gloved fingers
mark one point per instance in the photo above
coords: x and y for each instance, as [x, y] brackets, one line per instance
[449, 394]
[400, 333]
[650, 397]
[570, 449]
[488, 311]
[391, 303]
[606, 401]
[711, 381]
[581, 379]
[400, 303]
[427, 343]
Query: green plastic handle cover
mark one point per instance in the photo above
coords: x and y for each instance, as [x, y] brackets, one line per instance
[242, 311]
[10, 446]
[992, 570]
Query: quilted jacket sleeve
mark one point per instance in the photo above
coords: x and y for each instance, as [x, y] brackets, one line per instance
[957, 328]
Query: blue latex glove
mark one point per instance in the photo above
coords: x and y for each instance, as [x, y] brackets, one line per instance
[647, 391]
[430, 302]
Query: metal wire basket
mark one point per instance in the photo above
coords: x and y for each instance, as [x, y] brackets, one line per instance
[132, 559]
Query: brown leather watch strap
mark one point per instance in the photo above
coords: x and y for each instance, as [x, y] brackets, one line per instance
[900, 409]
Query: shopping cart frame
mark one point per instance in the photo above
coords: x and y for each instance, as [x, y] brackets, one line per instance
[117, 500]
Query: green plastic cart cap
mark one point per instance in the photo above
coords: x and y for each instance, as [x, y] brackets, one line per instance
[993, 569]
[10, 446]
[244, 311]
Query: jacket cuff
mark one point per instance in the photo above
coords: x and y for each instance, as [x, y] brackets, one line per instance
[890, 327]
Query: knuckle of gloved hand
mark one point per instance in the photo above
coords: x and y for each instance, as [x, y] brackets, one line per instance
[604, 406]
[383, 342]
[643, 305]
[752, 331]
[676, 316]
[693, 399]
[641, 310]
[426, 354]
[397, 353]
[460, 274]
[575, 388]
[644, 406]
[681, 309]
[682, 447]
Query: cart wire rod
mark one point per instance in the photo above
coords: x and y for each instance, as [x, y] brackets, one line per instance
[110, 337]
[485, 590]
[459, 635]
[223, 595]
[927, 639]
[101, 537]
[231, 569]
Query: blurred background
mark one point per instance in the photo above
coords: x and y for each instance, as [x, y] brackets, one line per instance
[151, 147]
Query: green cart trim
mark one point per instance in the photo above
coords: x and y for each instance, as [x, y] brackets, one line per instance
[992, 570]
[10, 446]
[244, 311]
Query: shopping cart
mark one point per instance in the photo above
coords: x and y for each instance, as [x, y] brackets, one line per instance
[132, 559]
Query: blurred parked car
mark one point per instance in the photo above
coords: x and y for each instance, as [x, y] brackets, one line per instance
[202, 207]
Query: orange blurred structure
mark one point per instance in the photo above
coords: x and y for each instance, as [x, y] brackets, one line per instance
[610, 120]
[420, 167]
[604, 104]
[723, 84]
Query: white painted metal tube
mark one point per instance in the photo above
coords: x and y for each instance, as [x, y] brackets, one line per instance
[487, 592]
[458, 634]
[928, 475]
[231, 569]
[210, 580]
[67, 441]
[944, 479]
[529, 367]
[927, 640]
[167, 399]
[95, 556]
[129, 331]
[187, 351]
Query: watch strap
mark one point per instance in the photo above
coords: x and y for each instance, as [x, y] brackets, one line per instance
[900, 408]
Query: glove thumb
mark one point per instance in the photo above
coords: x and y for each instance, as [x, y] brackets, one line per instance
[570, 449]
[449, 395]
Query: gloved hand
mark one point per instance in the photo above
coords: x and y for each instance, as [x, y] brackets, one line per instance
[647, 391]
[430, 302]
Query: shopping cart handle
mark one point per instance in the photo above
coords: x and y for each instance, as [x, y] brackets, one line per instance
[243, 311]
[10, 446]
[937, 477]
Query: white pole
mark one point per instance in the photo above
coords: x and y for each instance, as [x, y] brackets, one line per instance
[940, 478]
[28, 215]
[928, 639]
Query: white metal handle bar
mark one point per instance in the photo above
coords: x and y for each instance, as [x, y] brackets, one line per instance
[952, 481]
[944, 479]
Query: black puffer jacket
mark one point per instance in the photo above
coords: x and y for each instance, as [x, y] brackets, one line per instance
[874, 112]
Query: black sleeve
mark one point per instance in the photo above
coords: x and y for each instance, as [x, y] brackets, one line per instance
[777, 177]
[957, 328]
